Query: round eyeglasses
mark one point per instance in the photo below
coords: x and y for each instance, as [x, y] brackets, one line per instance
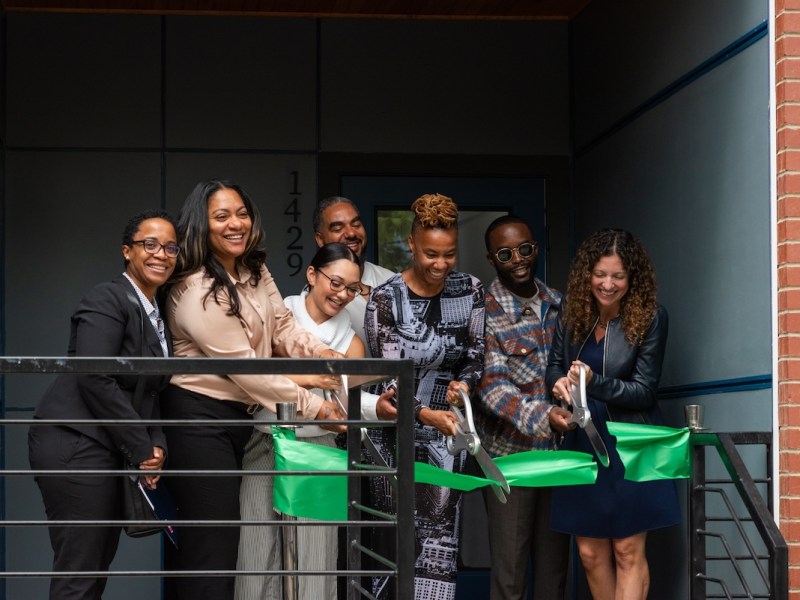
[525, 250]
[152, 247]
[337, 286]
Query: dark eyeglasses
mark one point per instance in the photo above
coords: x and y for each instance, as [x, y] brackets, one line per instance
[525, 250]
[152, 247]
[338, 286]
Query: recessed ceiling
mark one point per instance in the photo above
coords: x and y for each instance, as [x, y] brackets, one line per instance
[391, 9]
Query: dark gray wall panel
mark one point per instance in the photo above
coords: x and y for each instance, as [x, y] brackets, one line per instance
[627, 50]
[65, 216]
[241, 83]
[444, 87]
[83, 80]
[691, 178]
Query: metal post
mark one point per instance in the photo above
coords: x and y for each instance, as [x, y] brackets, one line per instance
[405, 482]
[697, 506]
[354, 488]
[287, 411]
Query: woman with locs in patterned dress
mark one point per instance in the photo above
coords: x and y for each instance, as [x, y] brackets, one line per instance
[434, 316]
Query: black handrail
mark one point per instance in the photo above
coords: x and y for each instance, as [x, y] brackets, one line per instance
[375, 369]
[776, 576]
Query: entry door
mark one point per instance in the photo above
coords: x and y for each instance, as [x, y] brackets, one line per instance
[480, 200]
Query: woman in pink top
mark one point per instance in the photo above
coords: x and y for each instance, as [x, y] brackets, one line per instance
[225, 303]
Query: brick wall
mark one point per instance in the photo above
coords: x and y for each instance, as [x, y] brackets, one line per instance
[787, 77]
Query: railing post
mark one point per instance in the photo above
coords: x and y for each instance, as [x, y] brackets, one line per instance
[354, 486]
[287, 411]
[697, 507]
[405, 483]
[697, 523]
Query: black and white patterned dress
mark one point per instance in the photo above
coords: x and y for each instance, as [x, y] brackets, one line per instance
[443, 335]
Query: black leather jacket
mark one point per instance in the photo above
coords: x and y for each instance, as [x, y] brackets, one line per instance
[629, 381]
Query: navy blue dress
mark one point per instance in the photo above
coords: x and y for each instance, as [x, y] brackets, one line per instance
[613, 507]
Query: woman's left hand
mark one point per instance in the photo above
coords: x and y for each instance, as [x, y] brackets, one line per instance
[454, 393]
[329, 353]
[154, 463]
[386, 408]
[574, 374]
[323, 382]
[443, 420]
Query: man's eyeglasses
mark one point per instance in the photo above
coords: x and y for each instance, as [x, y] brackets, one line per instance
[152, 247]
[338, 286]
[525, 250]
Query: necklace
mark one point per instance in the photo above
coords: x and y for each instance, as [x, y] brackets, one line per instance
[603, 324]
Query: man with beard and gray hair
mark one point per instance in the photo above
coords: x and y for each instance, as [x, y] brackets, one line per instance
[514, 412]
[336, 219]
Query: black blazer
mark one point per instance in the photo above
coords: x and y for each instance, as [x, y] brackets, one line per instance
[108, 321]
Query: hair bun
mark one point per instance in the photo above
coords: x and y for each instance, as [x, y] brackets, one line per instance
[435, 210]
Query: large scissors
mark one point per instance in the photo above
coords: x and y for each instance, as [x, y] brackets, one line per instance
[377, 458]
[466, 438]
[582, 417]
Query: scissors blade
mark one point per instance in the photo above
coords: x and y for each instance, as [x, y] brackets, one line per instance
[584, 420]
[494, 474]
[372, 449]
[597, 443]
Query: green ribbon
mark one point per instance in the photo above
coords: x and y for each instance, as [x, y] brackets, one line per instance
[652, 452]
[547, 468]
[325, 497]
[311, 496]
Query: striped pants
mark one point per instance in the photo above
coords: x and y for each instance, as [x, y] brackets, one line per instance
[260, 547]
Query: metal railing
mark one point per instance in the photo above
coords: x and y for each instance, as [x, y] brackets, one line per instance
[734, 555]
[400, 567]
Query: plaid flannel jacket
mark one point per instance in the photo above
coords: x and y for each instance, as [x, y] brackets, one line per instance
[513, 400]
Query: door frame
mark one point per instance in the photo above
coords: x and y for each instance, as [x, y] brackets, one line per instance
[554, 170]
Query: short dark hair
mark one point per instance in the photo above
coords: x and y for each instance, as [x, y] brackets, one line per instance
[133, 224]
[504, 220]
[324, 204]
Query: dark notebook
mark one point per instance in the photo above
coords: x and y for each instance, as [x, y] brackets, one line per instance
[163, 507]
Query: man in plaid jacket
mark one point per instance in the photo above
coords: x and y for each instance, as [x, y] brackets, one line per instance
[514, 413]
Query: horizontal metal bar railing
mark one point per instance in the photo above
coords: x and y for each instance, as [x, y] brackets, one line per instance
[361, 371]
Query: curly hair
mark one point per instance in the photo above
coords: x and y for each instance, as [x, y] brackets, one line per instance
[637, 307]
[434, 211]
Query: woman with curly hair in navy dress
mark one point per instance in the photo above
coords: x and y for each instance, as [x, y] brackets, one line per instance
[612, 324]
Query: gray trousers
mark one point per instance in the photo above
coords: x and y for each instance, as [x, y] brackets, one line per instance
[519, 530]
[260, 547]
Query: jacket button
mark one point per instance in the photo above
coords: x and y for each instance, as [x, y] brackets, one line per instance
[524, 351]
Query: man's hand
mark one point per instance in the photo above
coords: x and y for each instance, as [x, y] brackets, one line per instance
[558, 419]
[454, 389]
